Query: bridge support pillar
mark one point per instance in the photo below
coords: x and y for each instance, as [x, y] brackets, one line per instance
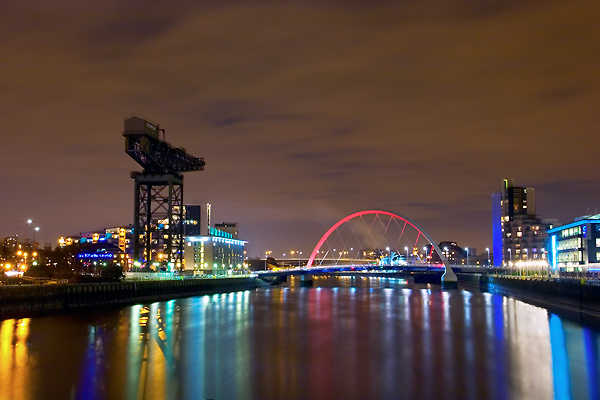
[306, 280]
[449, 279]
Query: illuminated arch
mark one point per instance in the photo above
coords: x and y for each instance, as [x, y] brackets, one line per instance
[448, 276]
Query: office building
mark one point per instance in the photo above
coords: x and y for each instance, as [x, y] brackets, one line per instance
[576, 246]
[216, 254]
[211, 250]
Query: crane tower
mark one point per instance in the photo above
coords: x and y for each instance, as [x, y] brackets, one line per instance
[158, 202]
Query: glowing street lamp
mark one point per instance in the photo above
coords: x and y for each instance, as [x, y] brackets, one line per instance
[27, 223]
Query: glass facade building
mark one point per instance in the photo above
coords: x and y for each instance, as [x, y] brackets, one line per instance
[576, 246]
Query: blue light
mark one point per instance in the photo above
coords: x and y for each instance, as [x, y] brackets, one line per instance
[560, 359]
[94, 255]
[553, 251]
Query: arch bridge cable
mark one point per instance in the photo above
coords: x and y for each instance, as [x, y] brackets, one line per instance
[378, 237]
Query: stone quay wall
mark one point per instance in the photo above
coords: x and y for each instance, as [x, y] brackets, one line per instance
[32, 298]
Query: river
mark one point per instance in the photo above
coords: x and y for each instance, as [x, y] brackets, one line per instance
[343, 338]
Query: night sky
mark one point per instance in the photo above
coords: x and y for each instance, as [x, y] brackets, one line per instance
[305, 111]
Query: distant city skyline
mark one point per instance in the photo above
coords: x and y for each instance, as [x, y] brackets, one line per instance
[304, 113]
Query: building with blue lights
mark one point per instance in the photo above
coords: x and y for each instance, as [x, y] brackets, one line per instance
[518, 234]
[94, 256]
[576, 246]
[108, 238]
[218, 254]
[211, 250]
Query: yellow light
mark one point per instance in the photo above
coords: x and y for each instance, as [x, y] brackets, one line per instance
[34, 254]
[7, 266]
[19, 252]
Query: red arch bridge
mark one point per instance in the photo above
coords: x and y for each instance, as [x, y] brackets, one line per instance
[375, 238]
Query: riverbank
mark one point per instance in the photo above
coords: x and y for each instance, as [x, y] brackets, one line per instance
[26, 299]
[579, 299]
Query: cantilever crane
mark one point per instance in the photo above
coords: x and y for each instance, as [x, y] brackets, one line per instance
[158, 211]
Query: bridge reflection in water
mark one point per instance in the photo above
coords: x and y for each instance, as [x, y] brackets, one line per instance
[344, 338]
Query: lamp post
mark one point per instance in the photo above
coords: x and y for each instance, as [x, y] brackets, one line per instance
[292, 257]
[425, 253]
[27, 223]
[406, 248]
[488, 251]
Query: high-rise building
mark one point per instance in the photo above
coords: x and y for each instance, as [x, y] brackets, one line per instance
[518, 234]
[196, 219]
[210, 249]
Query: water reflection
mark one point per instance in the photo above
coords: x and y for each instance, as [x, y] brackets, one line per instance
[14, 358]
[344, 338]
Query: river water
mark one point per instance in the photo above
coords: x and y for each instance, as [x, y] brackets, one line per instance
[343, 338]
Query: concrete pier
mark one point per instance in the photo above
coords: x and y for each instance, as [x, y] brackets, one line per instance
[306, 280]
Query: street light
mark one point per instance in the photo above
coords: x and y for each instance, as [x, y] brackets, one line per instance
[27, 223]
[425, 253]
[488, 251]
[406, 248]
